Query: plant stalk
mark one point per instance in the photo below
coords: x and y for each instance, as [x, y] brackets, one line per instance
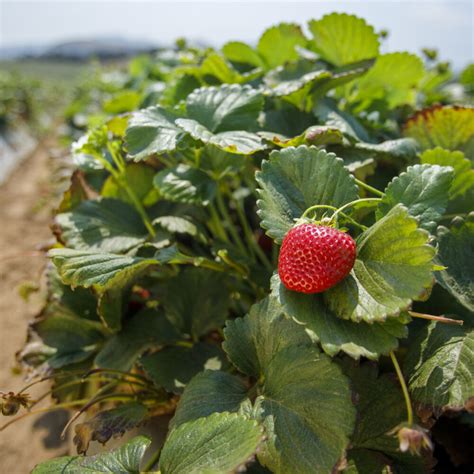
[403, 384]
[369, 188]
[440, 319]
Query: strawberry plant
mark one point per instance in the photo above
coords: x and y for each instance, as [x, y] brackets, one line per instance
[166, 305]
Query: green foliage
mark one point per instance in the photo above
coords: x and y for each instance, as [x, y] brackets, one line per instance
[439, 365]
[394, 266]
[463, 179]
[203, 445]
[125, 459]
[423, 190]
[293, 179]
[343, 39]
[163, 297]
[456, 251]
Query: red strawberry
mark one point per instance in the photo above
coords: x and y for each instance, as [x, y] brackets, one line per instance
[314, 258]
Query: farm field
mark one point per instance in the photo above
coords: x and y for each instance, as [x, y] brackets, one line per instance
[247, 258]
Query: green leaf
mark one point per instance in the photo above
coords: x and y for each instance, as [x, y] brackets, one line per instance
[123, 101]
[219, 163]
[334, 334]
[342, 39]
[151, 131]
[396, 89]
[139, 178]
[294, 179]
[67, 333]
[102, 271]
[209, 392]
[145, 330]
[105, 424]
[185, 184]
[203, 304]
[238, 141]
[79, 302]
[108, 225]
[216, 66]
[327, 112]
[123, 460]
[225, 117]
[393, 267]
[440, 365]
[423, 190]
[456, 253]
[219, 443]
[463, 171]
[110, 308]
[241, 53]
[278, 44]
[181, 225]
[225, 108]
[380, 407]
[178, 88]
[401, 148]
[253, 341]
[450, 127]
[317, 135]
[293, 77]
[307, 411]
[173, 367]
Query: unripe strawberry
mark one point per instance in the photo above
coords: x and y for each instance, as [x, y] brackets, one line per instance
[314, 258]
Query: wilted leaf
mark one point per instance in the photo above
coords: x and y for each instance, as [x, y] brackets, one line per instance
[450, 127]
[105, 424]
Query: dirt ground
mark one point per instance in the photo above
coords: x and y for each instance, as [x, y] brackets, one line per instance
[25, 212]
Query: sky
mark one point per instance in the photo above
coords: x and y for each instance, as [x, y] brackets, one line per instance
[413, 24]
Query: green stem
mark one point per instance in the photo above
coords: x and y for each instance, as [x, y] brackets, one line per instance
[138, 206]
[337, 211]
[152, 461]
[249, 237]
[216, 223]
[316, 207]
[404, 388]
[349, 204]
[255, 249]
[369, 188]
[224, 255]
[230, 224]
[121, 179]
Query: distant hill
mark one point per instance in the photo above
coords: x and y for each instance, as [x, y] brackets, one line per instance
[83, 49]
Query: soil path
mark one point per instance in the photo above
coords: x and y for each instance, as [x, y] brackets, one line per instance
[24, 226]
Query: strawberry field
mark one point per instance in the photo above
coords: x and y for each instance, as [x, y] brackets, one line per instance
[267, 253]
